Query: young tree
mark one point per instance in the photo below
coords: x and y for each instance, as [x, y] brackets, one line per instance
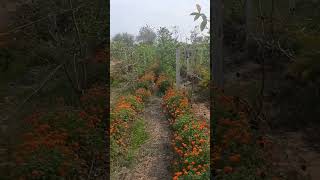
[164, 35]
[166, 48]
[146, 35]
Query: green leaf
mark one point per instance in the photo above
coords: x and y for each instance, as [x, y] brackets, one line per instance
[196, 17]
[194, 13]
[198, 7]
[204, 17]
[203, 25]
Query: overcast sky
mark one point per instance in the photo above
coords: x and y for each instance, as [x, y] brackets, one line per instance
[130, 15]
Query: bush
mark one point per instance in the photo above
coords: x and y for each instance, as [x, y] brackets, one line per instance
[146, 81]
[143, 93]
[163, 83]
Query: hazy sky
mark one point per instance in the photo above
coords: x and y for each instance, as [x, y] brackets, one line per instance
[130, 15]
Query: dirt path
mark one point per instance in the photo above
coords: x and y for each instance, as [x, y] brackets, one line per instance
[154, 157]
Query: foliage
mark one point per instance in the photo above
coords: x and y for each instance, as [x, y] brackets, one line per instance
[58, 33]
[127, 129]
[205, 75]
[140, 57]
[306, 66]
[139, 137]
[146, 35]
[62, 143]
[238, 152]
[147, 80]
[191, 138]
[198, 14]
[166, 49]
[143, 93]
[163, 84]
[125, 38]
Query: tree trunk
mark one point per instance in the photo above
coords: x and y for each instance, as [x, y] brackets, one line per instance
[217, 58]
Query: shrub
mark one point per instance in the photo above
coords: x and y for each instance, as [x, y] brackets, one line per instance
[163, 84]
[143, 93]
[146, 81]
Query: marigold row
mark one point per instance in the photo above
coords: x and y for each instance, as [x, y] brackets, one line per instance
[190, 139]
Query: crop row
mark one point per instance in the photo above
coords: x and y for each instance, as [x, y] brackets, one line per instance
[190, 137]
[126, 122]
[238, 151]
[62, 143]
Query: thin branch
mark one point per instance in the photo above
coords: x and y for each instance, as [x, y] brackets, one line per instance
[290, 56]
[76, 26]
[75, 71]
[70, 80]
[91, 167]
[16, 29]
[41, 85]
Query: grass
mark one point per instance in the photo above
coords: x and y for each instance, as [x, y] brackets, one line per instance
[139, 137]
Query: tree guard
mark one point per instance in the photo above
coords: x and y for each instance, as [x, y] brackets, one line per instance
[186, 57]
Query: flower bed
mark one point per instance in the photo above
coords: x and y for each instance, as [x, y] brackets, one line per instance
[190, 137]
[62, 143]
[236, 153]
[123, 114]
[127, 110]
[126, 127]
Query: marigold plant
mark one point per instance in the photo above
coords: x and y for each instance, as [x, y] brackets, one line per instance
[190, 139]
[62, 142]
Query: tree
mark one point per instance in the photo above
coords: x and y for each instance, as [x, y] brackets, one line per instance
[146, 35]
[125, 38]
[194, 37]
[166, 48]
[164, 35]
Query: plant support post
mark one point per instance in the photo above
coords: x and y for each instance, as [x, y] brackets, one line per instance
[178, 80]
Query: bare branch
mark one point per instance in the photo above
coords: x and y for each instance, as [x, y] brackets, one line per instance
[44, 82]
[16, 29]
